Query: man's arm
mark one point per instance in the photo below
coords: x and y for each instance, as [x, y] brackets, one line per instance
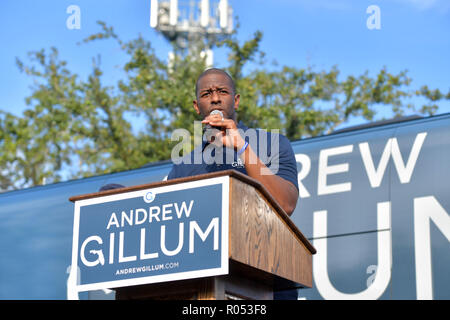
[281, 189]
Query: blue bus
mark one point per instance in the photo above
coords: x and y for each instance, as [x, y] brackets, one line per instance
[374, 201]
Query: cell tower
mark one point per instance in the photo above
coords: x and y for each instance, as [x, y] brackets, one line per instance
[188, 23]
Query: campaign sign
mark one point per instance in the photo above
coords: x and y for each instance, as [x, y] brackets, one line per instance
[160, 234]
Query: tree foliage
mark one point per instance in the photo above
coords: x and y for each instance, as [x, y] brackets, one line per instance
[76, 127]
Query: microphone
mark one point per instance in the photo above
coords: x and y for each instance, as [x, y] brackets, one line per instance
[208, 128]
[216, 112]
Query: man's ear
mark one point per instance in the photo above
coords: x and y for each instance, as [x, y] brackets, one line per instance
[196, 106]
[237, 98]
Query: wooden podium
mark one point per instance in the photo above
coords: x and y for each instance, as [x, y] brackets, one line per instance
[266, 251]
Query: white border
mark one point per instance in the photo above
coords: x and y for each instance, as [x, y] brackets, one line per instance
[73, 286]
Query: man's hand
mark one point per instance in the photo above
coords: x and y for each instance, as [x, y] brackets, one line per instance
[228, 134]
[282, 190]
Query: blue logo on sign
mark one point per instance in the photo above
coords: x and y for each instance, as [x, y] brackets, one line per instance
[149, 197]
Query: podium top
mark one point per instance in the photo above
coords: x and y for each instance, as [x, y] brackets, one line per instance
[231, 173]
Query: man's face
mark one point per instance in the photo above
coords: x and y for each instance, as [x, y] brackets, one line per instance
[215, 92]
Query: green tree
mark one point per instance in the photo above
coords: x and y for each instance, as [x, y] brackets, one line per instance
[77, 127]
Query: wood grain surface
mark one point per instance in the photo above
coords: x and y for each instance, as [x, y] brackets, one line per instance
[260, 237]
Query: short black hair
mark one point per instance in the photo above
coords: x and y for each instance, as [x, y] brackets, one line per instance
[216, 71]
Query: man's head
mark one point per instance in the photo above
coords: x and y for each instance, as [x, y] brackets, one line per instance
[215, 90]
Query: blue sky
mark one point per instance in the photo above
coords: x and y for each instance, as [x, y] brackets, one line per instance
[414, 35]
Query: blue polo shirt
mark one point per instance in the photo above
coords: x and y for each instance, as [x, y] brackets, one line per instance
[273, 149]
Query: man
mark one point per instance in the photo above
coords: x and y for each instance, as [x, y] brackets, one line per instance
[215, 90]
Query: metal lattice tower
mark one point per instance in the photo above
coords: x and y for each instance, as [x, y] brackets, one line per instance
[188, 23]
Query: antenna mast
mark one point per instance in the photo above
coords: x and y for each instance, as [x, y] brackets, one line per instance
[188, 23]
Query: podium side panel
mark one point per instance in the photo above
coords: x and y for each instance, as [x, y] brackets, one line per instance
[261, 239]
